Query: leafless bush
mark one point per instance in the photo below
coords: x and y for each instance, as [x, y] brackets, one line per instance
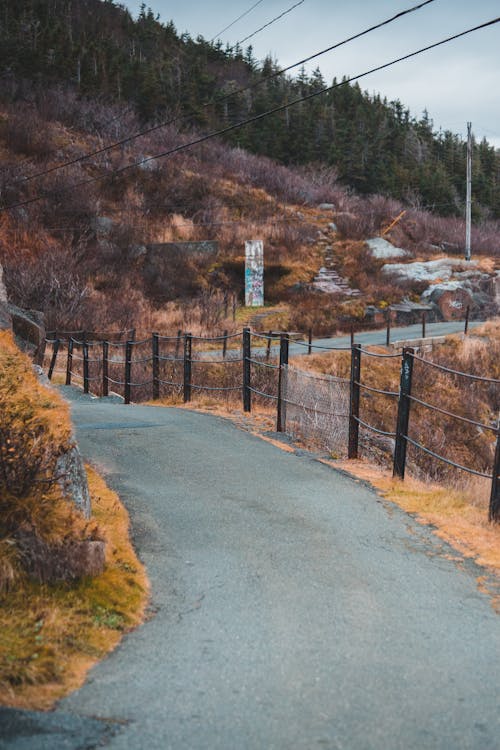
[95, 116]
[427, 233]
[367, 217]
[355, 226]
[25, 132]
[285, 183]
[68, 204]
[51, 282]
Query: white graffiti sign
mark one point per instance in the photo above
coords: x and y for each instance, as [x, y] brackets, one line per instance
[254, 273]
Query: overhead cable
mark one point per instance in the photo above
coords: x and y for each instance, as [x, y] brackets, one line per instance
[225, 97]
[270, 23]
[255, 118]
[236, 20]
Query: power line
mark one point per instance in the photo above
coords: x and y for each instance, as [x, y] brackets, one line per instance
[225, 97]
[236, 20]
[270, 23]
[6, 167]
[256, 118]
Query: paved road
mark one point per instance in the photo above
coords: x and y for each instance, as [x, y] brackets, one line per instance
[295, 609]
[372, 338]
[402, 333]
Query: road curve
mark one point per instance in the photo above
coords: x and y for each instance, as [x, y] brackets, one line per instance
[400, 333]
[294, 608]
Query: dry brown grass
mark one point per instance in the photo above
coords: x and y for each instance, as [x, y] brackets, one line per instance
[36, 520]
[51, 635]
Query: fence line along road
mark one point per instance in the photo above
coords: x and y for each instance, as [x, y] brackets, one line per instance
[325, 409]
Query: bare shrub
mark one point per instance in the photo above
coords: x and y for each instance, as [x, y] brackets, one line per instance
[355, 226]
[367, 217]
[25, 132]
[68, 204]
[427, 233]
[50, 281]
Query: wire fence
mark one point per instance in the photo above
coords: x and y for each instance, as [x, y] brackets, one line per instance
[317, 409]
[423, 409]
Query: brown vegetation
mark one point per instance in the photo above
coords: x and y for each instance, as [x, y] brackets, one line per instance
[40, 532]
[59, 259]
[51, 635]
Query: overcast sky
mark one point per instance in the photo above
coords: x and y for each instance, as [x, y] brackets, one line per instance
[457, 82]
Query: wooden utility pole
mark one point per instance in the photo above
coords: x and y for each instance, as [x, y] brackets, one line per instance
[468, 203]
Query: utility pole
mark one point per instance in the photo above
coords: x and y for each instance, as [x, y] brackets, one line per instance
[468, 203]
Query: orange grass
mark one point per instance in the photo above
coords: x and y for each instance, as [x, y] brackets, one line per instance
[51, 635]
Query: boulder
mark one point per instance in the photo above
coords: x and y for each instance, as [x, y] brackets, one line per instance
[29, 329]
[102, 225]
[50, 563]
[432, 270]
[5, 317]
[496, 291]
[452, 298]
[136, 252]
[73, 479]
[382, 249]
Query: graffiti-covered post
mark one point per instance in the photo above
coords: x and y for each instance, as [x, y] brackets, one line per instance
[254, 273]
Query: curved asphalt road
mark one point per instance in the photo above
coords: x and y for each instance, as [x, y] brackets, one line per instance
[294, 609]
[400, 333]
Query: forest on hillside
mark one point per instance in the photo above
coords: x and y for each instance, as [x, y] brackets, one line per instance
[98, 50]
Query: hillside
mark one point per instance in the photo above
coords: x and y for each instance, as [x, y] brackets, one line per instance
[79, 242]
[82, 253]
[96, 50]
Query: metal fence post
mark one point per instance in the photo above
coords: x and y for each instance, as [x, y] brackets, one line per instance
[352, 335]
[55, 349]
[423, 325]
[105, 368]
[352, 449]
[404, 403]
[224, 344]
[247, 369]
[85, 348]
[494, 510]
[388, 332]
[281, 411]
[466, 325]
[309, 341]
[188, 351]
[128, 370]
[69, 361]
[155, 345]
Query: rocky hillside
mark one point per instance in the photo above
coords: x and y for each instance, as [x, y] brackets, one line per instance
[88, 251]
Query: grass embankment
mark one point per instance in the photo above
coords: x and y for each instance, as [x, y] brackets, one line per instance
[55, 619]
[51, 635]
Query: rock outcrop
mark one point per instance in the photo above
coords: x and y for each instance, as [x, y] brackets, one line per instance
[453, 285]
[5, 317]
[383, 250]
[432, 270]
[73, 479]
